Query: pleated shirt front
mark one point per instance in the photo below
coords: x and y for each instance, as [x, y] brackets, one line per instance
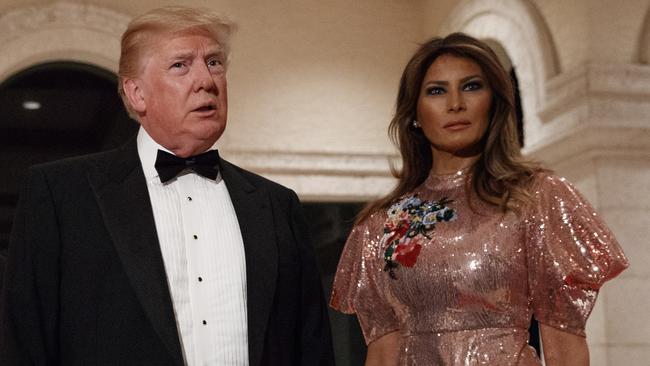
[203, 254]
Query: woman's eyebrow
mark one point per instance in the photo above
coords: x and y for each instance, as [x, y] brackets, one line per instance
[445, 82]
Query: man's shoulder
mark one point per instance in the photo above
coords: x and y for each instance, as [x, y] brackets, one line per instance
[81, 164]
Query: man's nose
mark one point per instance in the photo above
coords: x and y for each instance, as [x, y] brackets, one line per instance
[203, 79]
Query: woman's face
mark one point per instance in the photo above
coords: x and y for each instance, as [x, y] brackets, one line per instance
[454, 105]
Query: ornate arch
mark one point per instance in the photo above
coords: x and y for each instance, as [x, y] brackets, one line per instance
[520, 28]
[60, 32]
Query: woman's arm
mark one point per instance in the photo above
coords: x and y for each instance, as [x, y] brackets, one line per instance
[383, 351]
[562, 348]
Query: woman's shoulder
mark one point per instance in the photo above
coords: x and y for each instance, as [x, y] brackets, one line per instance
[544, 187]
[544, 181]
[553, 194]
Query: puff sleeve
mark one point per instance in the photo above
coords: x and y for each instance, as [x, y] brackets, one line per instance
[571, 253]
[359, 286]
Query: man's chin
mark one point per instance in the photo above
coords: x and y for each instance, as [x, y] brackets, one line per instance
[210, 136]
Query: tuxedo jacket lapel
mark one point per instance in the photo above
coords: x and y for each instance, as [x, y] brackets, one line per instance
[123, 198]
[254, 214]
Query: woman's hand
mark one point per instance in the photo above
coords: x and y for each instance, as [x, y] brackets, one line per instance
[562, 348]
[383, 351]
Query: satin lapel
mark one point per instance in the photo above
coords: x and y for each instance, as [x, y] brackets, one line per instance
[123, 198]
[255, 217]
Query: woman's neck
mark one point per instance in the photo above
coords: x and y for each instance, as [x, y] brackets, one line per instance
[448, 163]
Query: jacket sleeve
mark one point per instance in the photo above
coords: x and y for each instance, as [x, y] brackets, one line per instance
[316, 339]
[29, 304]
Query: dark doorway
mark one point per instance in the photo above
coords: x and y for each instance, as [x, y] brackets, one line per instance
[519, 111]
[330, 224]
[52, 111]
[508, 65]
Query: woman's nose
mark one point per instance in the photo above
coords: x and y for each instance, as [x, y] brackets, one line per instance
[455, 102]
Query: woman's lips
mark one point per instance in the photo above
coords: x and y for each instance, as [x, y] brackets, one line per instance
[457, 125]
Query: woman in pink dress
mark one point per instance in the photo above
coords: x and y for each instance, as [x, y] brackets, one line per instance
[448, 268]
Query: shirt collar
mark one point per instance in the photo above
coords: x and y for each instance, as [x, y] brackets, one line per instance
[147, 151]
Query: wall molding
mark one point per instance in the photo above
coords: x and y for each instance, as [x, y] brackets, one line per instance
[67, 15]
[322, 176]
[314, 163]
[601, 107]
[602, 80]
[591, 142]
[63, 31]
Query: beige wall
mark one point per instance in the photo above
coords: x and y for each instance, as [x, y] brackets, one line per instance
[594, 30]
[312, 86]
[318, 76]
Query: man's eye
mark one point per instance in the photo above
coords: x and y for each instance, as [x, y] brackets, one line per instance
[436, 90]
[214, 63]
[176, 65]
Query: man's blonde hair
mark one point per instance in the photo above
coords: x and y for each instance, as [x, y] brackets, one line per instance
[150, 27]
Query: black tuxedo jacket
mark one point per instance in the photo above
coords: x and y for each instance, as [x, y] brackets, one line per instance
[86, 285]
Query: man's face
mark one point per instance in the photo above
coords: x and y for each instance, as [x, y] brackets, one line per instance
[182, 94]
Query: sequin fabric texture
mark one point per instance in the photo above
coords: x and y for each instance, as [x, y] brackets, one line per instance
[469, 298]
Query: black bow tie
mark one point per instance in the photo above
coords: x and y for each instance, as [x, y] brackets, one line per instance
[169, 165]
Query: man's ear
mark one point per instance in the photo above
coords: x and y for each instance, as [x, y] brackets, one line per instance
[134, 94]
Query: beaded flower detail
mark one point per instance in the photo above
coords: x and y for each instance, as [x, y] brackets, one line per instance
[409, 222]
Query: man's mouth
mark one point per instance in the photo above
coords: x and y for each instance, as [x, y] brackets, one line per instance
[206, 108]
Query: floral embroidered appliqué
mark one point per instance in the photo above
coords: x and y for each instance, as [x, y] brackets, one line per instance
[407, 227]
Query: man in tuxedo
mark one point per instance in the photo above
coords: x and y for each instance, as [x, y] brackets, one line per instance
[160, 252]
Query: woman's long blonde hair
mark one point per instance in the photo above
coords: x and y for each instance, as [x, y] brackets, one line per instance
[501, 175]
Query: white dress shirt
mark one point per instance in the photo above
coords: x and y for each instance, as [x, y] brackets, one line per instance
[203, 253]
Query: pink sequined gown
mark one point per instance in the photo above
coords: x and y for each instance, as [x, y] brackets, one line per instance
[469, 297]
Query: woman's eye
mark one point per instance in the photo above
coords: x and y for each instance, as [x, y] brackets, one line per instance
[473, 85]
[435, 90]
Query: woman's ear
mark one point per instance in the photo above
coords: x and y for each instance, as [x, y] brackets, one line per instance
[134, 95]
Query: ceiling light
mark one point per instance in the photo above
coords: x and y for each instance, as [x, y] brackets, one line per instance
[31, 105]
